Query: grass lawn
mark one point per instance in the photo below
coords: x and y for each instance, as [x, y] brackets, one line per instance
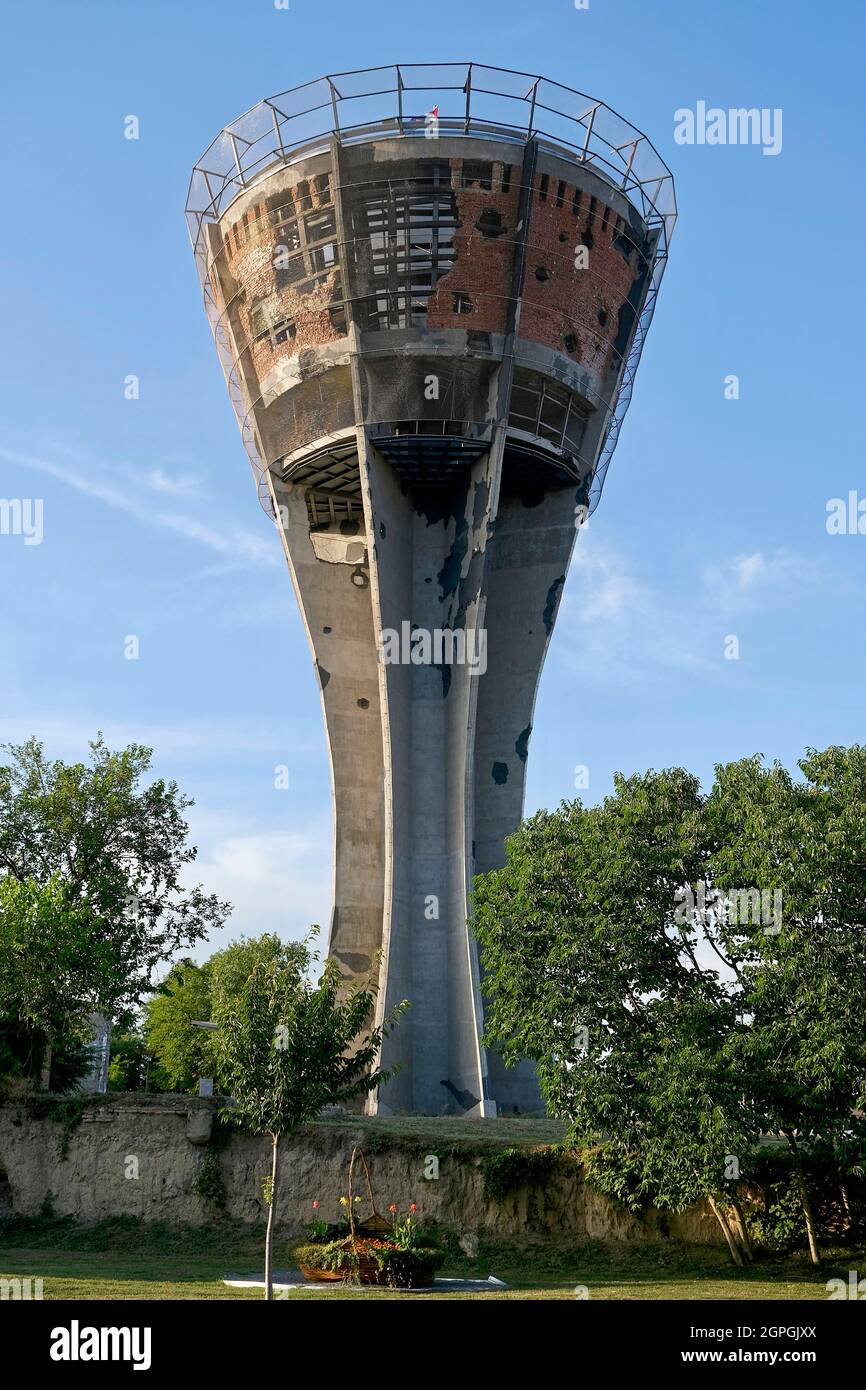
[122, 1260]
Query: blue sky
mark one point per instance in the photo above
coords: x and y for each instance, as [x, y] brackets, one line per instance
[713, 518]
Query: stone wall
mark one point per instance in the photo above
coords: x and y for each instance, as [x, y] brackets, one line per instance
[88, 1166]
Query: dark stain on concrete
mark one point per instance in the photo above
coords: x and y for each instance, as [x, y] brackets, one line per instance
[354, 961]
[521, 744]
[500, 774]
[552, 600]
[480, 500]
[449, 575]
[465, 1099]
[363, 704]
[629, 308]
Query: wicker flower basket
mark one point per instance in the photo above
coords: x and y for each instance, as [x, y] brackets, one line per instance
[364, 1238]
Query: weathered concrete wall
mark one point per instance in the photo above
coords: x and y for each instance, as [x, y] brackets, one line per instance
[428, 373]
[167, 1137]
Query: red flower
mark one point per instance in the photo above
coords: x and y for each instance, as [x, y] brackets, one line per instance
[413, 1208]
[316, 1204]
[393, 1208]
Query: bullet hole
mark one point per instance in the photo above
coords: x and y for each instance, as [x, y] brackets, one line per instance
[363, 704]
[602, 317]
[489, 223]
[563, 237]
[327, 629]
[570, 343]
[382, 531]
[461, 303]
[542, 273]
[500, 774]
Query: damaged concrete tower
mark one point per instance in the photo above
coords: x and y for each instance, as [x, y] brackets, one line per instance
[429, 287]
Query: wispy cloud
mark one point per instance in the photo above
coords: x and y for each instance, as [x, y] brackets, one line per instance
[616, 625]
[276, 881]
[237, 544]
[754, 579]
[175, 484]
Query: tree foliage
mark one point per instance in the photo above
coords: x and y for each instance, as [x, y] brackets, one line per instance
[182, 1053]
[91, 893]
[671, 1040]
[287, 1047]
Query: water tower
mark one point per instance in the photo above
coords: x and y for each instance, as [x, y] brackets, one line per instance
[429, 288]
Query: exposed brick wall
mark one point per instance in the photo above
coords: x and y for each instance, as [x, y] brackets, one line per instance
[576, 311]
[249, 277]
[485, 254]
[584, 314]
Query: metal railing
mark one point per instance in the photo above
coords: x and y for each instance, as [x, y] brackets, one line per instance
[446, 99]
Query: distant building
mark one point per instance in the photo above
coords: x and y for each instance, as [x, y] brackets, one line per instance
[96, 1080]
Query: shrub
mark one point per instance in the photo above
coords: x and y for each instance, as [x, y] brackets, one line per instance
[513, 1168]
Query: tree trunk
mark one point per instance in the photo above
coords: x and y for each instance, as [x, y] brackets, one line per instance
[269, 1236]
[814, 1252]
[846, 1202]
[742, 1230]
[736, 1252]
[45, 1078]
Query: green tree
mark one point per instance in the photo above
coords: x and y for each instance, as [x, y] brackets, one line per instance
[697, 1030]
[181, 1052]
[588, 972]
[129, 1063]
[289, 1047]
[798, 846]
[191, 992]
[48, 957]
[92, 862]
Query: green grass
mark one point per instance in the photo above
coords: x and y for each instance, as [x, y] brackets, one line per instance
[478, 1135]
[124, 1260]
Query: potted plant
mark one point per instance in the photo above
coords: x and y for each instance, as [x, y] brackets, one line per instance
[374, 1251]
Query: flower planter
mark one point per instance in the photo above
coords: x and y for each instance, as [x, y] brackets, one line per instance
[321, 1276]
[374, 1251]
